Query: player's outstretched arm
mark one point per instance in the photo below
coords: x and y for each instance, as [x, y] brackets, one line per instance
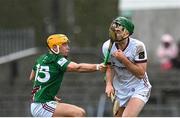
[84, 67]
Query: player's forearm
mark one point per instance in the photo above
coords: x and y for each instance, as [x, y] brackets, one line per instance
[108, 80]
[138, 71]
[109, 75]
[84, 67]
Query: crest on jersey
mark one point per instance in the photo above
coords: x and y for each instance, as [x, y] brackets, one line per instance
[141, 55]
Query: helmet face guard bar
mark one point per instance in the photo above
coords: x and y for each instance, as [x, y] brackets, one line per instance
[126, 23]
[54, 51]
[55, 41]
[117, 32]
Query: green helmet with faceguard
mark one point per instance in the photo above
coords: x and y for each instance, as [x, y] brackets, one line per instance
[120, 21]
[126, 23]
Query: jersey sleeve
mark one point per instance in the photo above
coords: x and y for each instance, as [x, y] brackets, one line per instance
[62, 63]
[105, 49]
[141, 54]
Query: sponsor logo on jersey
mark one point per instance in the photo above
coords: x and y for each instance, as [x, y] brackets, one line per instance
[62, 61]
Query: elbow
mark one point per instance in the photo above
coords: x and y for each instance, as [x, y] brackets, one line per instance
[73, 67]
[140, 75]
[77, 68]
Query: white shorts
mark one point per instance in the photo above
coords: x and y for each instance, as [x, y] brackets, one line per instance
[43, 109]
[141, 93]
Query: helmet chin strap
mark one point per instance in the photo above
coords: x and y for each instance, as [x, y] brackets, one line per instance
[122, 39]
[118, 41]
[54, 51]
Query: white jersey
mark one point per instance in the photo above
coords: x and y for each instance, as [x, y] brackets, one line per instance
[124, 81]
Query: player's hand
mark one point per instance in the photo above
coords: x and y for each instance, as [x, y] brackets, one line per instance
[101, 67]
[109, 89]
[119, 54]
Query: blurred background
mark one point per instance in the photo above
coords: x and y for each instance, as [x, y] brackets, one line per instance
[25, 25]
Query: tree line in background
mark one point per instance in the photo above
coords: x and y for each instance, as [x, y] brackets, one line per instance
[86, 22]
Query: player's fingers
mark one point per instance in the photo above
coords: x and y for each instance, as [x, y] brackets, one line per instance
[102, 67]
[112, 97]
[108, 94]
[113, 92]
[119, 50]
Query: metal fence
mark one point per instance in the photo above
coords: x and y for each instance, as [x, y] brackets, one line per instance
[16, 43]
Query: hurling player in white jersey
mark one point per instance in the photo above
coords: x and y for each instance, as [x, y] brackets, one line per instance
[126, 76]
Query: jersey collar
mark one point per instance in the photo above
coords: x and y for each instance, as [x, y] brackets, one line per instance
[124, 47]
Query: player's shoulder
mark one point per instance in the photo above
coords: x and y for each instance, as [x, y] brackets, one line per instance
[48, 58]
[61, 60]
[133, 40]
[40, 57]
[106, 44]
[105, 47]
[136, 42]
